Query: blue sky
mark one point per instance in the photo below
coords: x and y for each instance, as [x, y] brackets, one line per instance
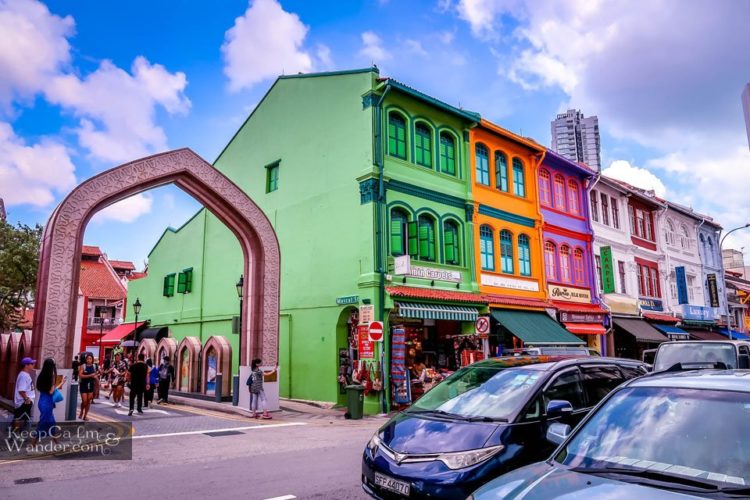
[87, 85]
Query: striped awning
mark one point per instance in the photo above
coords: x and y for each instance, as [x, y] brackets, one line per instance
[436, 311]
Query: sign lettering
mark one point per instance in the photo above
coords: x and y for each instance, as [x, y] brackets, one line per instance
[569, 294]
[567, 317]
[366, 314]
[608, 273]
[713, 289]
[430, 273]
[512, 283]
[349, 299]
[651, 304]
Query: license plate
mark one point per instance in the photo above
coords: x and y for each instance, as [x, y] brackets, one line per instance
[391, 484]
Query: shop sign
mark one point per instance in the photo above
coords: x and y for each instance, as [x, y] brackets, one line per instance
[567, 317]
[482, 325]
[608, 272]
[682, 289]
[697, 313]
[430, 273]
[366, 314]
[569, 293]
[376, 331]
[512, 283]
[366, 347]
[651, 304]
[713, 289]
[401, 265]
[349, 299]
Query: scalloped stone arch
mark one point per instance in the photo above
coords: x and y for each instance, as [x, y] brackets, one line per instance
[59, 269]
[187, 372]
[224, 362]
[147, 348]
[166, 346]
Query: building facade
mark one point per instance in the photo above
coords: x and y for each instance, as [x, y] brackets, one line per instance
[577, 138]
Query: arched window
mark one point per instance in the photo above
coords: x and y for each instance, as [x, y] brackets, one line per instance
[426, 238]
[550, 260]
[565, 263]
[487, 248]
[574, 202]
[578, 275]
[423, 145]
[501, 171]
[399, 220]
[669, 232]
[519, 183]
[594, 203]
[482, 164]
[545, 188]
[524, 255]
[506, 251]
[447, 154]
[450, 243]
[710, 253]
[684, 237]
[559, 192]
[396, 135]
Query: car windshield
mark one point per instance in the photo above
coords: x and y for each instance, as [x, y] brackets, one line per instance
[688, 433]
[691, 353]
[481, 392]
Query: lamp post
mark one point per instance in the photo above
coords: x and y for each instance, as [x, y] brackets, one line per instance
[236, 378]
[101, 336]
[136, 310]
[724, 275]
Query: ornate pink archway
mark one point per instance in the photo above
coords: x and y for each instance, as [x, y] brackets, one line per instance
[59, 269]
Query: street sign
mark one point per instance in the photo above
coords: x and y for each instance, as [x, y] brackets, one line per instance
[608, 274]
[366, 314]
[482, 324]
[376, 331]
[365, 346]
[713, 289]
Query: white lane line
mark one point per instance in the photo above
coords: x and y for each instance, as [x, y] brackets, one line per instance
[247, 428]
[285, 497]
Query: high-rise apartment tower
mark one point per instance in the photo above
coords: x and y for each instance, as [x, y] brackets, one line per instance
[577, 138]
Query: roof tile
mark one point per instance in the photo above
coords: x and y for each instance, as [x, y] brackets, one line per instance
[99, 282]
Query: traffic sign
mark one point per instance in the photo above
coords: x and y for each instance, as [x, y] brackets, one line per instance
[376, 331]
[482, 324]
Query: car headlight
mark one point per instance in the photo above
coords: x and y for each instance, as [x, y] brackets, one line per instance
[373, 444]
[462, 459]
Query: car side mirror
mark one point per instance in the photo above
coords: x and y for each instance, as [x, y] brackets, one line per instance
[557, 433]
[559, 407]
[743, 362]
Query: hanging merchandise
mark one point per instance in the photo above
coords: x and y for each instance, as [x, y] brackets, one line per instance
[399, 373]
[377, 378]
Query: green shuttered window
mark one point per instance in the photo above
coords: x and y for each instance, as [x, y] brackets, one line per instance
[482, 165]
[447, 154]
[524, 255]
[272, 177]
[519, 184]
[396, 135]
[450, 243]
[398, 232]
[426, 238]
[487, 248]
[501, 171]
[168, 290]
[423, 145]
[413, 239]
[506, 251]
[185, 281]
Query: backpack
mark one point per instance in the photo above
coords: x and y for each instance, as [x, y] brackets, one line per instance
[250, 380]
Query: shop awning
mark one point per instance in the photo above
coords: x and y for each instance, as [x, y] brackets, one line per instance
[673, 332]
[437, 311]
[535, 328]
[706, 335]
[666, 318]
[640, 330]
[118, 333]
[585, 328]
[735, 334]
[154, 333]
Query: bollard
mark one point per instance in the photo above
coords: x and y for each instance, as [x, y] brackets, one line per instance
[235, 390]
[217, 392]
[72, 401]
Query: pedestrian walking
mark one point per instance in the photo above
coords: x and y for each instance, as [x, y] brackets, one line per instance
[75, 366]
[24, 395]
[46, 385]
[139, 383]
[153, 382]
[255, 386]
[87, 375]
[166, 376]
[118, 371]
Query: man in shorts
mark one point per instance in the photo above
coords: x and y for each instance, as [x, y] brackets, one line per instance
[24, 394]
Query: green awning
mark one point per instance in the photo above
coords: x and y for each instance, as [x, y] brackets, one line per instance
[535, 328]
[437, 311]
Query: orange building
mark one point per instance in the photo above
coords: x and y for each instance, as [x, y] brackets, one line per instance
[508, 239]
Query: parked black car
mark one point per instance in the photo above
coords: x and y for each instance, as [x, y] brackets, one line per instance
[484, 420]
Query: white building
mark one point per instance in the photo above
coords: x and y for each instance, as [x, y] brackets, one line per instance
[577, 138]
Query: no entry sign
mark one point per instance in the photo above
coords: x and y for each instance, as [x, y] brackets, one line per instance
[376, 331]
[483, 324]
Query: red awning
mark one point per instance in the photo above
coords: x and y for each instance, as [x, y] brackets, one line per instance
[507, 300]
[585, 328]
[435, 294]
[578, 307]
[706, 335]
[120, 332]
[664, 318]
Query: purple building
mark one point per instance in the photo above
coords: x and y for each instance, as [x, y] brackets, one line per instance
[568, 248]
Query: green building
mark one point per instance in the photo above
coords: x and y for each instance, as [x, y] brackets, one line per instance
[367, 184]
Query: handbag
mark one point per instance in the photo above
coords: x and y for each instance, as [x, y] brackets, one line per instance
[57, 396]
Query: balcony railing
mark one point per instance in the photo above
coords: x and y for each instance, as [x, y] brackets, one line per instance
[102, 323]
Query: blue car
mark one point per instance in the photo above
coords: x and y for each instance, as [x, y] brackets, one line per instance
[484, 420]
[671, 435]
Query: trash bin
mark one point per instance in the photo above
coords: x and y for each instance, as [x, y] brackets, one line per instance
[355, 398]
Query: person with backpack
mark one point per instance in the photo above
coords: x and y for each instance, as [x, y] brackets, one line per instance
[153, 382]
[255, 386]
[166, 376]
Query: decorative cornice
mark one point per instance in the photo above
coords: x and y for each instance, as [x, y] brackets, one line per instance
[427, 194]
[506, 216]
[368, 191]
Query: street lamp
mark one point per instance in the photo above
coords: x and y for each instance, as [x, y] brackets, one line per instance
[136, 310]
[236, 378]
[724, 275]
[240, 287]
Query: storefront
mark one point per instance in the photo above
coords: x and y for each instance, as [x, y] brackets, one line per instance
[700, 322]
[579, 316]
[635, 335]
[667, 325]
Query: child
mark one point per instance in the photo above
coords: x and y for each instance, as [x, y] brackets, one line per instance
[255, 386]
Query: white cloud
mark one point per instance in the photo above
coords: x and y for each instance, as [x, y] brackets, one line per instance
[117, 109]
[32, 174]
[127, 210]
[34, 47]
[415, 47]
[481, 14]
[372, 48]
[264, 42]
[636, 176]
[323, 54]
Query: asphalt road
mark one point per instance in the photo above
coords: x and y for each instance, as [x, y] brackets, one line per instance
[174, 457]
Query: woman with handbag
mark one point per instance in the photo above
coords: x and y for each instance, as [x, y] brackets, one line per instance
[49, 395]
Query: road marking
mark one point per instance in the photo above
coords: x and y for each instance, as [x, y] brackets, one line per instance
[246, 428]
[285, 497]
[211, 413]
